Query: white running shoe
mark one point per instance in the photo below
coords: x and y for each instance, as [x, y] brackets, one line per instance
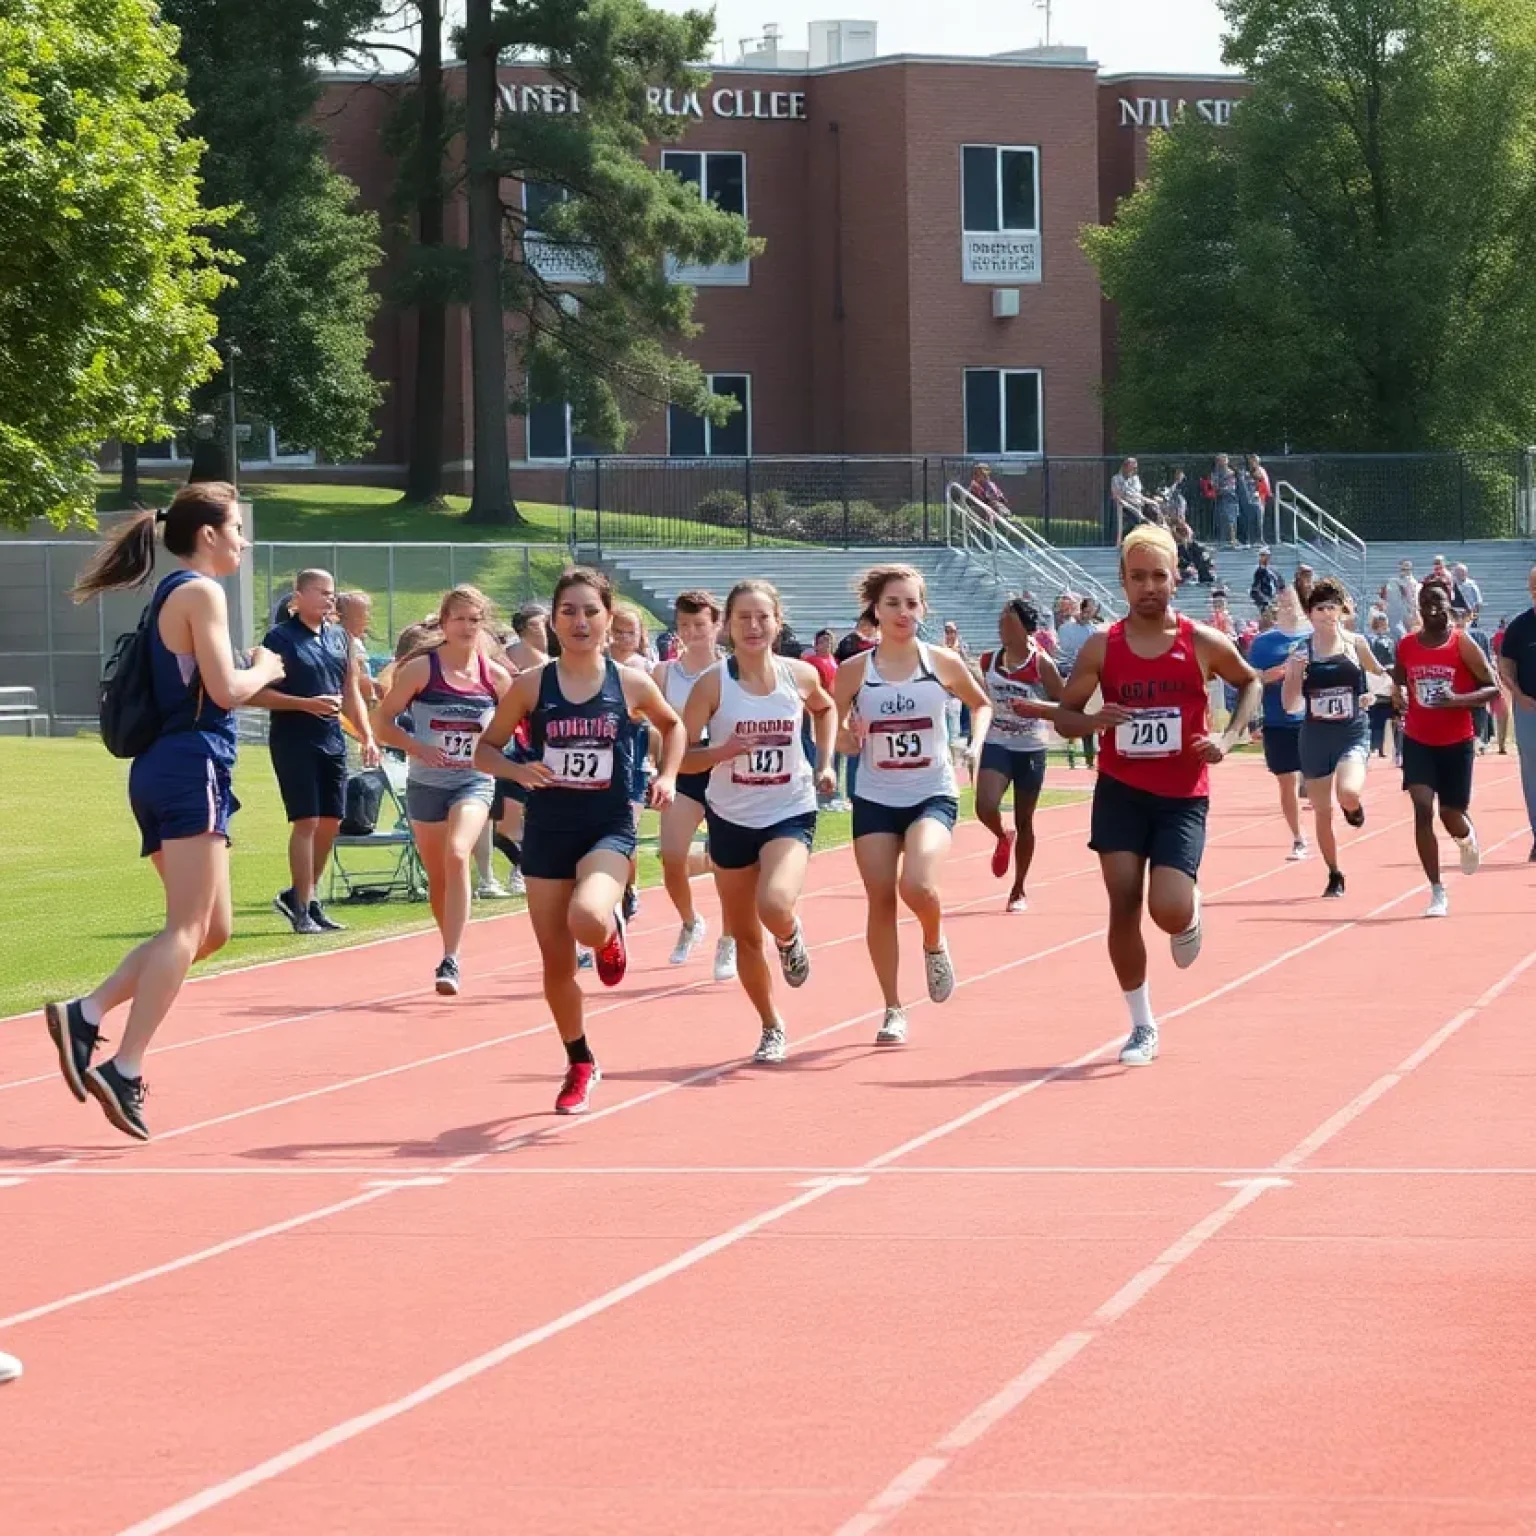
[491, 890]
[795, 958]
[1140, 1049]
[893, 1031]
[941, 972]
[1299, 851]
[10, 1368]
[1186, 949]
[687, 936]
[772, 1048]
[1471, 854]
[516, 884]
[1017, 905]
[1439, 902]
[725, 958]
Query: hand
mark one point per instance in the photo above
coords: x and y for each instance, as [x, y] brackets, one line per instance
[534, 775]
[663, 791]
[1026, 709]
[269, 663]
[370, 751]
[1296, 666]
[826, 783]
[1108, 716]
[1209, 749]
[326, 705]
[735, 745]
[431, 757]
[973, 759]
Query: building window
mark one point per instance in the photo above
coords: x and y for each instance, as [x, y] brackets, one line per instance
[551, 436]
[1003, 413]
[720, 178]
[695, 437]
[1000, 213]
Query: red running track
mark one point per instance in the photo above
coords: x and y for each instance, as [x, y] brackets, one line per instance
[364, 1281]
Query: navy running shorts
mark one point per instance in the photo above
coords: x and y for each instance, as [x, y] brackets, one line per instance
[312, 782]
[1282, 749]
[1024, 770]
[732, 846]
[871, 819]
[552, 853]
[1446, 770]
[179, 794]
[1167, 831]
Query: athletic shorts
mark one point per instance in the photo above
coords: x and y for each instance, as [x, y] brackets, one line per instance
[1324, 747]
[552, 853]
[1446, 770]
[179, 794]
[432, 802]
[1282, 749]
[692, 785]
[1024, 770]
[871, 819]
[508, 789]
[1165, 830]
[732, 846]
[312, 782]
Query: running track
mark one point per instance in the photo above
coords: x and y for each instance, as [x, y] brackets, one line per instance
[364, 1281]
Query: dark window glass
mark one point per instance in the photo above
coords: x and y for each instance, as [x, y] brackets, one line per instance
[1019, 210]
[688, 167]
[979, 180]
[1021, 412]
[734, 438]
[547, 437]
[537, 197]
[727, 182]
[685, 434]
[983, 423]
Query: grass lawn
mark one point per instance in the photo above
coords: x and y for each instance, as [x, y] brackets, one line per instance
[86, 897]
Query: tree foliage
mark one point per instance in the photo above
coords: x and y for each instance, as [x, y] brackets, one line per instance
[1346, 267]
[107, 276]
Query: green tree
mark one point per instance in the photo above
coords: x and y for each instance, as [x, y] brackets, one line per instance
[1346, 267]
[107, 276]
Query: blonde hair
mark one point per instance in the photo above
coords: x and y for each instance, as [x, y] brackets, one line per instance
[1150, 536]
[432, 637]
[629, 611]
[875, 580]
[762, 589]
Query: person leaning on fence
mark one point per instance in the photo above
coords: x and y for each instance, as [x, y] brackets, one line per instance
[1224, 490]
[987, 491]
[1130, 505]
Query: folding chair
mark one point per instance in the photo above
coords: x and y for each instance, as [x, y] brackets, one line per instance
[403, 875]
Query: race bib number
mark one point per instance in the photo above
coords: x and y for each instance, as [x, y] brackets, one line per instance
[457, 739]
[580, 764]
[900, 744]
[763, 765]
[1333, 704]
[1430, 690]
[1152, 733]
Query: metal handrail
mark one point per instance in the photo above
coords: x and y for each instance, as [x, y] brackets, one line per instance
[1332, 541]
[988, 532]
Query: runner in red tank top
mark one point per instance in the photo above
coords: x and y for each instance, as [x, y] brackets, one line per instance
[1149, 805]
[1441, 678]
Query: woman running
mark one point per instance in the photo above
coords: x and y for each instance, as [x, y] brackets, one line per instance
[891, 706]
[1023, 684]
[1327, 679]
[761, 795]
[450, 691]
[178, 789]
[696, 624]
[588, 724]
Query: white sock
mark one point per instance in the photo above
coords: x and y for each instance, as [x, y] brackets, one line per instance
[1140, 1004]
[90, 1012]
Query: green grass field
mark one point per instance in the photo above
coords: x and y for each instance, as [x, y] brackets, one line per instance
[87, 897]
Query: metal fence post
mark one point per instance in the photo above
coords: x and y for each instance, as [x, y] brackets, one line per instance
[1461, 492]
[842, 478]
[1045, 495]
[925, 498]
[597, 497]
[527, 575]
[453, 568]
[389, 609]
[53, 694]
[746, 474]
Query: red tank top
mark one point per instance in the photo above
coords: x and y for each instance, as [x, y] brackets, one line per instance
[1433, 669]
[1154, 751]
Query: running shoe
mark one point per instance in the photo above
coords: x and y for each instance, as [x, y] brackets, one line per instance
[941, 972]
[10, 1368]
[516, 885]
[1186, 946]
[447, 977]
[324, 920]
[1439, 902]
[122, 1098]
[581, 1077]
[1471, 854]
[1002, 854]
[795, 958]
[1140, 1049]
[74, 1040]
[1017, 904]
[583, 958]
[687, 936]
[1356, 817]
[286, 904]
[725, 958]
[1298, 851]
[893, 1031]
[1335, 884]
[631, 903]
[491, 890]
[772, 1048]
[613, 957]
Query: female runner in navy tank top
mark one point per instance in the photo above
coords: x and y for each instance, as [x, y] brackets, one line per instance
[587, 725]
[179, 789]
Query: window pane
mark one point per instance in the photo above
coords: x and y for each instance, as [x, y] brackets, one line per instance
[1021, 412]
[546, 430]
[979, 179]
[537, 196]
[983, 425]
[685, 435]
[680, 162]
[1019, 189]
[733, 439]
[164, 449]
[727, 183]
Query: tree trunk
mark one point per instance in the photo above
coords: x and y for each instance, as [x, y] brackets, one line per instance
[210, 459]
[424, 474]
[492, 499]
[129, 488]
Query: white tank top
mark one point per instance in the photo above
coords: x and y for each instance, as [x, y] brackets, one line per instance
[1018, 733]
[906, 741]
[678, 684]
[773, 780]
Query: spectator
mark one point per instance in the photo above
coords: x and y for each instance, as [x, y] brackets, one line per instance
[1194, 557]
[1465, 593]
[1224, 489]
[864, 636]
[1402, 600]
[1302, 581]
[1174, 503]
[1440, 576]
[1072, 632]
[354, 611]
[1221, 617]
[1131, 506]
[1250, 509]
[1262, 490]
[1501, 705]
[987, 491]
[1267, 582]
[1517, 670]
[1482, 716]
[952, 638]
[1384, 649]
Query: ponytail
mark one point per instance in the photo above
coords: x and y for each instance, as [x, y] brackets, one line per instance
[126, 557]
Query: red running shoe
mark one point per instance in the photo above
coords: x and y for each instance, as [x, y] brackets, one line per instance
[1002, 855]
[581, 1077]
[613, 957]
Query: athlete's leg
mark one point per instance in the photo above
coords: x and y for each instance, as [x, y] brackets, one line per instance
[877, 854]
[600, 880]
[1027, 782]
[781, 877]
[923, 851]
[679, 821]
[738, 901]
[1423, 798]
[1320, 793]
[1349, 782]
[991, 786]
[482, 855]
[549, 903]
[1124, 876]
[1170, 898]
[1290, 804]
[466, 821]
[1456, 822]
[431, 841]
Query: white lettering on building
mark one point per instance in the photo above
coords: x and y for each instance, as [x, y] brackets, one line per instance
[1165, 111]
[728, 102]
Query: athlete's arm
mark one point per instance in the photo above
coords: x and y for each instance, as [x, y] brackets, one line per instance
[845, 691]
[702, 701]
[1222, 659]
[952, 671]
[513, 707]
[409, 679]
[823, 713]
[206, 612]
[646, 702]
[355, 710]
[1293, 674]
[1072, 718]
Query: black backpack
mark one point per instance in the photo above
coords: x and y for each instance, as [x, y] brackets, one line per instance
[365, 799]
[130, 719]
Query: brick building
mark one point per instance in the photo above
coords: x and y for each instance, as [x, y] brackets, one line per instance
[922, 289]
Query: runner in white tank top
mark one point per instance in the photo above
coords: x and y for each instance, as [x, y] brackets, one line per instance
[761, 796]
[891, 702]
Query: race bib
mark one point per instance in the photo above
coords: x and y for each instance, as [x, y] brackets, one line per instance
[1151, 733]
[1429, 690]
[1333, 704]
[900, 744]
[580, 764]
[457, 738]
[764, 765]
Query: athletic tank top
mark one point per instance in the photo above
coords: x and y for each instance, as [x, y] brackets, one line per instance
[678, 684]
[1333, 687]
[1018, 733]
[590, 748]
[772, 780]
[1433, 671]
[451, 719]
[1153, 750]
[187, 713]
[905, 759]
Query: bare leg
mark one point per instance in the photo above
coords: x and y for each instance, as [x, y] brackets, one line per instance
[326, 828]
[548, 905]
[926, 843]
[1320, 793]
[738, 901]
[431, 840]
[991, 786]
[1290, 806]
[1349, 782]
[600, 879]
[1170, 899]
[1124, 875]
[877, 855]
[781, 878]
[1024, 849]
[1424, 838]
[466, 821]
[679, 821]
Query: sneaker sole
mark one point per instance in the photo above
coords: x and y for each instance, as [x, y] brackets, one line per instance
[111, 1108]
[447, 988]
[1139, 1059]
[58, 1031]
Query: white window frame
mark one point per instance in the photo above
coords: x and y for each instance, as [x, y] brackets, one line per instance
[528, 454]
[998, 151]
[709, 426]
[727, 275]
[1003, 374]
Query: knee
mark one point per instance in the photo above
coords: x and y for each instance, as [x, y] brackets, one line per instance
[1171, 913]
[881, 902]
[776, 913]
[919, 892]
[588, 925]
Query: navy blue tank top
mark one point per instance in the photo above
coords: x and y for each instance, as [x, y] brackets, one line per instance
[590, 748]
[187, 714]
[1332, 689]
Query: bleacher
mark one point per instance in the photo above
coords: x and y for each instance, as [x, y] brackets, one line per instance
[20, 715]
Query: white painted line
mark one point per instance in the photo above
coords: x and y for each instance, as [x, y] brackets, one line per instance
[427, 1182]
[11, 1183]
[1262, 1182]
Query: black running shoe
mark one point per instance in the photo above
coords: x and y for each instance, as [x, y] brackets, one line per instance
[322, 919]
[122, 1098]
[1356, 817]
[286, 904]
[75, 1040]
[448, 977]
[631, 903]
[1335, 884]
